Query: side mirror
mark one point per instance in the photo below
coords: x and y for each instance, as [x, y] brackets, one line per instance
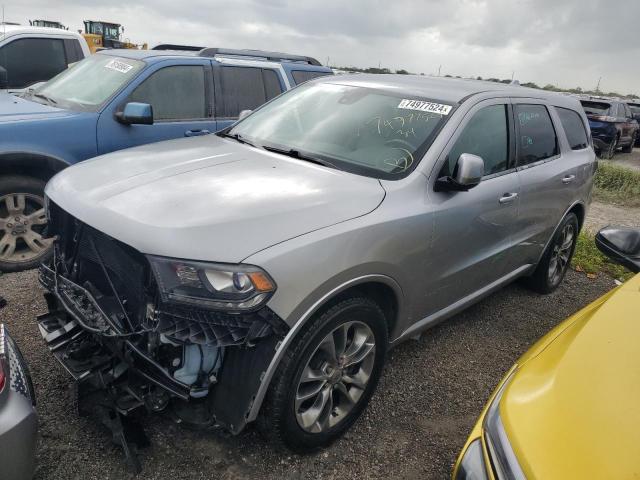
[468, 173]
[243, 114]
[4, 79]
[135, 113]
[621, 245]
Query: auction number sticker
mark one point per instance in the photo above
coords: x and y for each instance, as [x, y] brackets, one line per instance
[425, 106]
[118, 66]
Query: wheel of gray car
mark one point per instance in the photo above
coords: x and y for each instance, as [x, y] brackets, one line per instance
[556, 258]
[22, 223]
[327, 376]
[629, 148]
[609, 153]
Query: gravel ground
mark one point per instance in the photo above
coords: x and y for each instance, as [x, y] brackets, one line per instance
[629, 160]
[603, 214]
[426, 403]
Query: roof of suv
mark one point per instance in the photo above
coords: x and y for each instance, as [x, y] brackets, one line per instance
[10, 30]
[453, 90]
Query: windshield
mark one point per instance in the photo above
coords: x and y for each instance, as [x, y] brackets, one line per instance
[362, 130]
[89, 83]
[596, 108]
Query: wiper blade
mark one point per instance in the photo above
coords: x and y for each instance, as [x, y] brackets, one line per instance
[44, 97]
[235, 136]
[293, 153]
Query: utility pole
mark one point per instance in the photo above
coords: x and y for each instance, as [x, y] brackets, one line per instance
[327, 64]
[598, 85]
[512, 74]
[439, 68]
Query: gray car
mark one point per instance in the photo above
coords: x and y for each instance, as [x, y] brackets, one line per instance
[18, 418]
[263, 273]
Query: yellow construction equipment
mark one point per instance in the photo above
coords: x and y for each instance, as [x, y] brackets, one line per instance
[101, 35]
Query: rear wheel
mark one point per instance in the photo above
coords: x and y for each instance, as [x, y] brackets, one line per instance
[555, 261]
[22, 223]
[629, 148]
[327, 377]
[610, 151]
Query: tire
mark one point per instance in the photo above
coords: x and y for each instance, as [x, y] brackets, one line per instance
[22, 223]
[281, 418]
[610, 152]
[632, 142]
[542, 280]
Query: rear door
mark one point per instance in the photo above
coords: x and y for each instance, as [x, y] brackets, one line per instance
[244, 87]
[548, 172]
[181, 96]
[473, 231]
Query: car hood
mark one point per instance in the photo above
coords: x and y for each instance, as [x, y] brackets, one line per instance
[571, 409]
[14, 108]
[209, 198]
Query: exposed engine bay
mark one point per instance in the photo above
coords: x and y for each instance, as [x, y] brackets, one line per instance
[131, 348]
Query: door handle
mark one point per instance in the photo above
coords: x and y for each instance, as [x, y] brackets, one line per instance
[568, 179]
[196, 133]
[508, 197]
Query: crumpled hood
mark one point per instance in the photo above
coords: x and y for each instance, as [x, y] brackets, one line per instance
[571, 411]
[13, 108]
[209, 198]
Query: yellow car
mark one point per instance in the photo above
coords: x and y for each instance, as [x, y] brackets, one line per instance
[570, 407]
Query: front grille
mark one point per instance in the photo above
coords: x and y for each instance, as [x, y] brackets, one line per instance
[90, 265]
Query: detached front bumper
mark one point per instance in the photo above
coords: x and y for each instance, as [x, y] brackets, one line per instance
[18, 418]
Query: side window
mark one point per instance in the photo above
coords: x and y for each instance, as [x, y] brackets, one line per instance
[32, 60]
[301, 76]
[573, 127]
[73, 49]
[486, 135]
[536, 136]
[627, 111]
[272, 86]
[246, 88]
[176, 93]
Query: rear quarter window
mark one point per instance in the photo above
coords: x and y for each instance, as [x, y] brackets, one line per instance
[301, 76]
[536, 135]
[596, 108]
[573, 128]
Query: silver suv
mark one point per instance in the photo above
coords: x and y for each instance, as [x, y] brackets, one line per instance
[264, 273]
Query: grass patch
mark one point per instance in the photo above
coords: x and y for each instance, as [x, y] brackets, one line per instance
[616, 184]
[587, 258]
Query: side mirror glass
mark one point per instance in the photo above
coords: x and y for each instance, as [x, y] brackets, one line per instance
[621, 245]
[243, 114]
[135, 113]
[4, 79]
[468, 173]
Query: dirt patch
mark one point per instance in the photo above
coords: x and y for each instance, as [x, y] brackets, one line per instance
[603, 214]
[427, 401]
[629, 160]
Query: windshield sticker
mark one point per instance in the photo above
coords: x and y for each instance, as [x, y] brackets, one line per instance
[118, 66]
[425, 106]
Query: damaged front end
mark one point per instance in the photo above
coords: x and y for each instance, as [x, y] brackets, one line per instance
[149, 333]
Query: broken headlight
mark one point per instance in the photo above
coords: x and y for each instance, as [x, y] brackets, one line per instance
[212, 285]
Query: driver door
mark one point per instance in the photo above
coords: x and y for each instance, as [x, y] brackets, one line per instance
[181, 97]
[473, 240]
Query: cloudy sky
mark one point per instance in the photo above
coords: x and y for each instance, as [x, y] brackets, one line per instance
[564, 42]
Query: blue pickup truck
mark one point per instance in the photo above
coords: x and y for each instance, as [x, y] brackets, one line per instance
[117, 99]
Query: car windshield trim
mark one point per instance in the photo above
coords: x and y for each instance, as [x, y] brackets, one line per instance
[350, 163]
[75, 89]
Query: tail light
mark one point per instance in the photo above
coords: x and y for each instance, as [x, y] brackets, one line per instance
[2, 376]
[602, 118]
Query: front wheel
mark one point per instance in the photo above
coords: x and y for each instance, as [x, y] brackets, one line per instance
[555, 261]
[327, 377]
[22, 221]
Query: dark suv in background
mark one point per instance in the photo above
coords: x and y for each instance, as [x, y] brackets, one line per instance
[612, 126]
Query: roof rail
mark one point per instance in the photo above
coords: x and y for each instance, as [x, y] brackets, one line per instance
[171, 46]
[258, 54]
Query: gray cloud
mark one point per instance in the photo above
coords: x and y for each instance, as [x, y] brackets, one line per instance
[565, 42]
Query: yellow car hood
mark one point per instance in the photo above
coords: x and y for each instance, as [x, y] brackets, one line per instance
[572, 410]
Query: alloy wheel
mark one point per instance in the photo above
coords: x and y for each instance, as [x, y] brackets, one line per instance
[22, 221]
[561, 253]
[335, 377]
